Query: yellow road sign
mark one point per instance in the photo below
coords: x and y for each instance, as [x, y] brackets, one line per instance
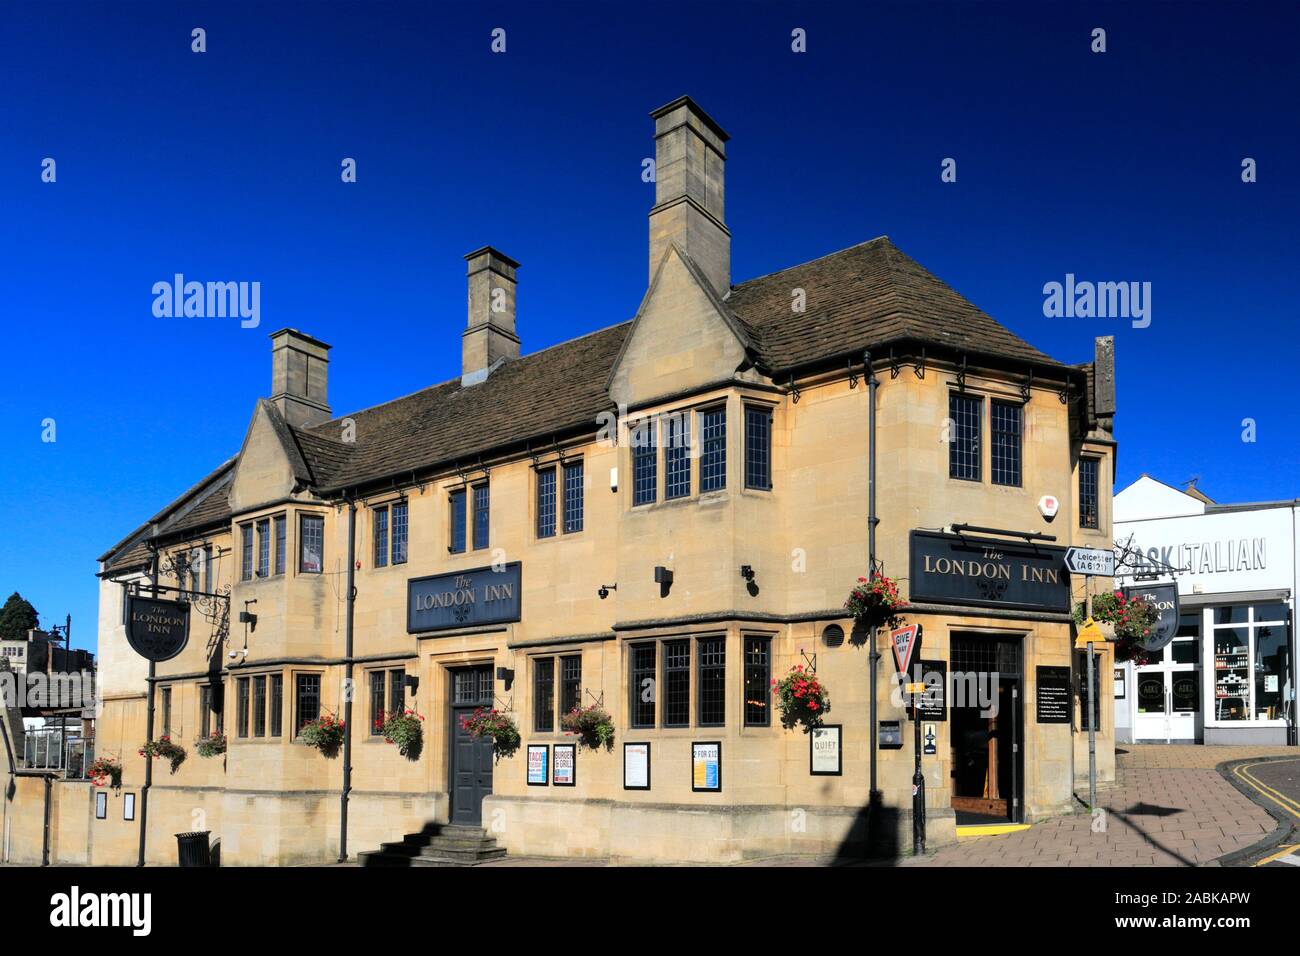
[1089, 632]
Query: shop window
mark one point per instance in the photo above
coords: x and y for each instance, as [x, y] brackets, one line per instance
[306, 700]
[964, 413]
[1089, 513]
[713, 453]
[1150, 692]
[677, 455]
[677, 683]
[1005, 420]
[712, 653]
[544, 695]
[645, 465]
[311, 538]
[758, 676]
[456, 521]
[642, 685]
[1231, 673]
[758, 448]
[570, 683]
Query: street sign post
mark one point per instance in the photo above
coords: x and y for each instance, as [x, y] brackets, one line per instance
[905, 641]
[1091, 562]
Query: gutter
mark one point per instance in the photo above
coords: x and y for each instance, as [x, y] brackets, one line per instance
[873, 656]
[347, 683]
[148, 733]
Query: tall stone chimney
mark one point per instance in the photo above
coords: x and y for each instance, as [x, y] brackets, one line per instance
[490, 338]
[690, 153]
[300, 377]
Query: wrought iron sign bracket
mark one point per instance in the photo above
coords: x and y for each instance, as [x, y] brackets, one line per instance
[853, 376]
[794, 389]
[811, 662]
[961, 374]
[896, 367]
[1027, 387]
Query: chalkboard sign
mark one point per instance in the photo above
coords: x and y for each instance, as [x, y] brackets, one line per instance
[1053, 695]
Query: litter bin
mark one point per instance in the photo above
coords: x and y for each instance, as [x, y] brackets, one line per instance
[193, 849]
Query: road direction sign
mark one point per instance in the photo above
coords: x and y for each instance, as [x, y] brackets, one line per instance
[1091, 562]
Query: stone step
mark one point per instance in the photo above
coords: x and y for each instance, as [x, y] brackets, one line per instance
[390, 859]
[436, 844]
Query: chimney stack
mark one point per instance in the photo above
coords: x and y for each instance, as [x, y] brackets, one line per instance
[690, 153]
[490, 338]
[300, 377]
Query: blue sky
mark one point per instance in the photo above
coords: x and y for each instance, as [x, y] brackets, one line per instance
[225, 166]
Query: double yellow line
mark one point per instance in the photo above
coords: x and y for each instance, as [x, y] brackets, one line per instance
[1242, 772]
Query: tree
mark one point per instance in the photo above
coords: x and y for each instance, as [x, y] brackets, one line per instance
[17, 617]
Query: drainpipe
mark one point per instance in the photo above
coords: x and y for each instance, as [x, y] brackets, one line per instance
[873, 657]
[148, 726]
[347, 684]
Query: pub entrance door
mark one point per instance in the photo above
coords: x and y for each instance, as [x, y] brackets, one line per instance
[470, 766]
[987, 729]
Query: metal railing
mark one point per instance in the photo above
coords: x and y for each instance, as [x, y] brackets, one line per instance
[52, 749]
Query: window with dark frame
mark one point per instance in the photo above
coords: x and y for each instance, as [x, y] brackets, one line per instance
[380, 535]
[713, 681]
[482, 501]
[546, 502]
[306, 700]
[311, 538]
[713, 453]
[205, 711]
[377, 698]
[645, 463]
[1089, 510]
[167, 710]
[964, 436]
[400, 528]
[277, 703]
[246, 559]
[677, 455]
[281, 532]
[573, 499]
[677, 683]
[570, 683]
[758, 448]
[1005, 430]
[264, 548]
[758, 677]
[544, 695]
[219, 705]
[241, 701]
[259, 706]
[209, 568]
[456, 521]
[642, 683]
[396, 691]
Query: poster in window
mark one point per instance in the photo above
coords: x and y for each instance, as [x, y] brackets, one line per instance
[825, 747]
[706, 766]
[564, 767]
[101, 805]
[636, 766]
[538, 770]
[128, 806]
[1120, 690]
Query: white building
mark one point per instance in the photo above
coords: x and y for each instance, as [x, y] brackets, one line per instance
[1229, 675]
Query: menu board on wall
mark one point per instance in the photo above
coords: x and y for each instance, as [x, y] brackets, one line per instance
[537, 764]
[562, 775]
[1052, 697]
[636, 766]
[706, 766]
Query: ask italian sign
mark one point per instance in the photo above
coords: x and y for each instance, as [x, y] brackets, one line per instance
[963, 569]
[463, 599]
[157, 630]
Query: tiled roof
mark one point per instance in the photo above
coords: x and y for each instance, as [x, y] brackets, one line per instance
[862, 297]
[205, 504]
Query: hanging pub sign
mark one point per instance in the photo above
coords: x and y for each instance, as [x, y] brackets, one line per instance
[961, 569]
[156, 629]
[463, 599]
[1164, 598]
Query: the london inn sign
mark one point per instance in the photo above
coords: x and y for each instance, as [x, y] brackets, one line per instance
[961, 569]
[463, 599]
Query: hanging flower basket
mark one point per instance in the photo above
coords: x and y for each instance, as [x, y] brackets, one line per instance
[325, 733]
[801, 698]
[875, 603]
[503, 730]
[105, 770]
[592, 725]
[165, 748]
[406, 730]
[1132, 618]
[214, 745]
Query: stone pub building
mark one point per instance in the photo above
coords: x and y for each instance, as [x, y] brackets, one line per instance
[659, 516]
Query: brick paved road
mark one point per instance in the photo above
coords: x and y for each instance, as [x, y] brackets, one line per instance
[1170, 807]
